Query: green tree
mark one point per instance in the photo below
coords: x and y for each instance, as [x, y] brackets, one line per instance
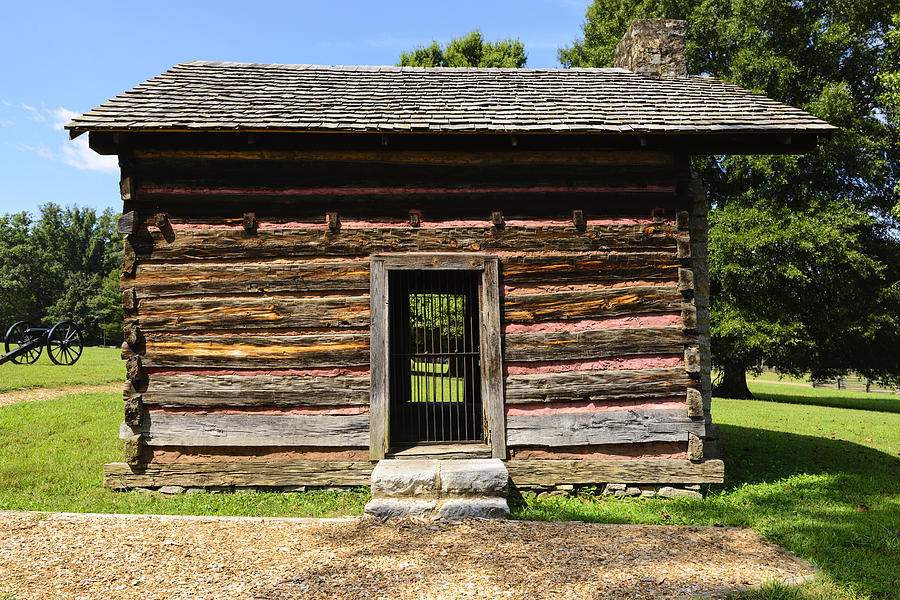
[469, 50]
[803, 249]
[890, 79]
[18, 263]
[55, 267]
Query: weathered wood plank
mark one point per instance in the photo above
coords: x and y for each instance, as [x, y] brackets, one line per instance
[252, 429]
[218, 474]
[526, 157]
[590, 344]
[129, 222]
[530, 308]
[695, 447]
[154, 280]
[126, 192]
[216, 244]
[133, 449]
[694, 402]
[692, 359]
[379, 413]
[134, 411]
[256, 351]
[244, 179]
[253, 313]
[192, 390]
[685, 280]
[129, 257]
[689, 316]
[549, 473]
[491, 359]
[562, 269]
[524, 473]
[603, 427]
[129, 298]
[162, 280]
[596, 385]
[446, 261]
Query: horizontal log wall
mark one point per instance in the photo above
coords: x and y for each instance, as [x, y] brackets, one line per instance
[523, 473]
[246, 277]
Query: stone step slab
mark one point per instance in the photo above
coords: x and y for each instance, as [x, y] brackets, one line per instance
[451, 509]
[474, 508]
[473, 477]
[405, 478]
[432, 479]
[386, 508]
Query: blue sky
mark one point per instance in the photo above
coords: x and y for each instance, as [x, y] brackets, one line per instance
[61, 58]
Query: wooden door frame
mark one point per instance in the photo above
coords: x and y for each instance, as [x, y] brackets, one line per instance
[489, 321]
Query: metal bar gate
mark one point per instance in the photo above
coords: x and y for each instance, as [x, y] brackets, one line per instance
[434, 362]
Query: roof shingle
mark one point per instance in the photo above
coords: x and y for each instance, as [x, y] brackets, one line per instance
[216, 96]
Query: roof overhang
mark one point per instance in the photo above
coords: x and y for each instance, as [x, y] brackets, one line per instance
[779, 141]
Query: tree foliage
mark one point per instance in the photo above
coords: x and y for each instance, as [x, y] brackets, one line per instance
[803, 248]
[470, 50]
[890, 79]
[64, 265]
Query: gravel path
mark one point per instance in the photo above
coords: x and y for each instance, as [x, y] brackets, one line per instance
[47, 393]
[152, 557]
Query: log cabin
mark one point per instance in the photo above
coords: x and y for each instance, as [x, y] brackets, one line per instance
[326, 267]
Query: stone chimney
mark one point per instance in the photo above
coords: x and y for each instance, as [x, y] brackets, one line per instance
[653, 47]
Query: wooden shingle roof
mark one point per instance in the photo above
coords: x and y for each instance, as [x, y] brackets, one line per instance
[221, 96]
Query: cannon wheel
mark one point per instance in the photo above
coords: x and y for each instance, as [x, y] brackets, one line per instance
[16, 336]
[64, 343]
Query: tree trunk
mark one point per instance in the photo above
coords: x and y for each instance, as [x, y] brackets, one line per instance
[734, 383]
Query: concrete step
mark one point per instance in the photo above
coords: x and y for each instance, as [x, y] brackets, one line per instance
[449, 489]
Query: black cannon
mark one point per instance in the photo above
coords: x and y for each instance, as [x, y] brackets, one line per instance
[25, 343]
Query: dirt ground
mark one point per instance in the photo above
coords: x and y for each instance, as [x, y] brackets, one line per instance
[151, 557]
[47, 393]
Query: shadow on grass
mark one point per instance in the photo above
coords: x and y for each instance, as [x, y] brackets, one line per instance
[763, 456]
[828, 398]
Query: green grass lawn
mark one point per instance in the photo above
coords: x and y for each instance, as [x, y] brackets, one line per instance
[96, 366]
[427, 388]
[822, 481]
[52, 453]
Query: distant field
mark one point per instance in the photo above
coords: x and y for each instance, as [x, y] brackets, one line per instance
[96, 366]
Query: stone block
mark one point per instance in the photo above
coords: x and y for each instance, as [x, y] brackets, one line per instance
[670, 492]
[403, 478]
[473, 477]
[476, 508]
[392, 507]
[171, 489]
[611, 488]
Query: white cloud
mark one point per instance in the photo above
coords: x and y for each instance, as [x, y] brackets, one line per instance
[6, 122]
[33, 113]
[78, 154]
[43, 151]
[75, 153]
